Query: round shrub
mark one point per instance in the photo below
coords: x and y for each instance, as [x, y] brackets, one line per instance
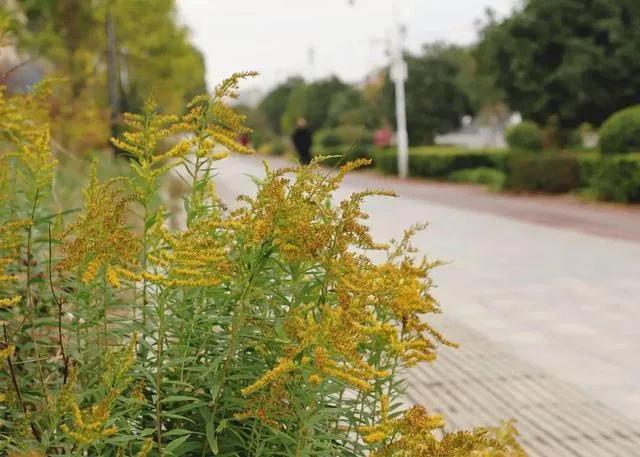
[525, 136]
[276, 147]
[328, 138]
[621, 132]
[343, 136]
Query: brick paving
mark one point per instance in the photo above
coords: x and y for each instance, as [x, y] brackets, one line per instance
[483, 383]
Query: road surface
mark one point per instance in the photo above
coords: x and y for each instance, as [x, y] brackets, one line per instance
[543, 294]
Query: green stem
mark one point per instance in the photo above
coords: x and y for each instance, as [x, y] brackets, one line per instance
[236, 325]
[29, 297]
[159, 362]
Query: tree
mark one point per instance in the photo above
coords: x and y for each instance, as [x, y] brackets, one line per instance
[575, 59]
[312, 102]
[349, 107]
[436, 101]
[154, 54]
[275, 103]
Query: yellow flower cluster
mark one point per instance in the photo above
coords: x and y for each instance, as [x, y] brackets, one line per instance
[295, 215]
[196, 257]
[97, 243]
[90, 424]
[25, 126]
[11, 239]
[144, 132]
[418, 434]
[6, 351]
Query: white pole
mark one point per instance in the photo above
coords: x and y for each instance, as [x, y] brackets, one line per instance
[399, 76]
[402, 137]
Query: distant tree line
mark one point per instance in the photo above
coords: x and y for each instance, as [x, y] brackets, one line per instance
[560, 63]
[68, 37]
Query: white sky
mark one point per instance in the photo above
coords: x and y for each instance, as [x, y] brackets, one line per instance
[275, 36]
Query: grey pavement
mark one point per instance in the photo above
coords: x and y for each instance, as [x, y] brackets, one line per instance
[547, 312]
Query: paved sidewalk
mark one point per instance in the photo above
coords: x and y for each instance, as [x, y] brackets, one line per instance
[482, 383]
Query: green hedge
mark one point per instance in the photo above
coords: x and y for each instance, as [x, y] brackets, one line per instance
[343, 153]
[621, 132]
[610, 178]
[550, 173]
[617, 179]
[490, 177]
[338, 136]
[440, 162]
[525, 136]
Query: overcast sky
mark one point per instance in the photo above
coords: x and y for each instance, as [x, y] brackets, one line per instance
[275, 36]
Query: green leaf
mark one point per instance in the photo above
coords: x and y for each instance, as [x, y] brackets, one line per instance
[172, 446]
[211, 436]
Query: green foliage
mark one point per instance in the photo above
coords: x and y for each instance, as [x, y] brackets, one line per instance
[617, 179]
[490, 177]
[153, 50]
[621, 132]
[276, 146]
[266, 330]
[525, 136]
[440, 162]
[343, 136]
[343, 153]
[572, 58]
[350, 107]
[436, 101]
[312, 101]
[275, 103]
[259, 124]
[549, 172]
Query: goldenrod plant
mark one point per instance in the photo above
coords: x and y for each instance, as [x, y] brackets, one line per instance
[266, 330]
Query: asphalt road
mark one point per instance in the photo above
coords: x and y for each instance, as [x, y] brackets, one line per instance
[543, 283]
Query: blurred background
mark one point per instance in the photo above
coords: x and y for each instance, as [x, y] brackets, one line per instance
[516, 127]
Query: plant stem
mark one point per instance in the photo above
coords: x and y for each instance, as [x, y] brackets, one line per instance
[159, 362]
[236, 324]
[58, 302]
[29, 297]
[16, 386]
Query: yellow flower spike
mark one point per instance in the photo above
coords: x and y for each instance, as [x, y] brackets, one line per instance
[146, 448]
[375, 437]
[98, 238]
[112, 278]
[283, 367]
[9, 302]
[7, 351]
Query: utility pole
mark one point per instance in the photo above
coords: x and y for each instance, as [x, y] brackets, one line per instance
[399, 76]
[399, 73]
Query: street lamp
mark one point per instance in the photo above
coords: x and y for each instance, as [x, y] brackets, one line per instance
[399, 76]
[398, 73]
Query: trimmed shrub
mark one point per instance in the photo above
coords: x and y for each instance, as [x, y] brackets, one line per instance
[276, 147]
[525, 136]
[343, 135]
[588, 164]
[549, 173]
[621, 132]
[617, 179]
[439, 163]
[343, 153]
[490, 177]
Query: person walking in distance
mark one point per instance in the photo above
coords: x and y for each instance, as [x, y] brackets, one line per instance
[302, 139]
